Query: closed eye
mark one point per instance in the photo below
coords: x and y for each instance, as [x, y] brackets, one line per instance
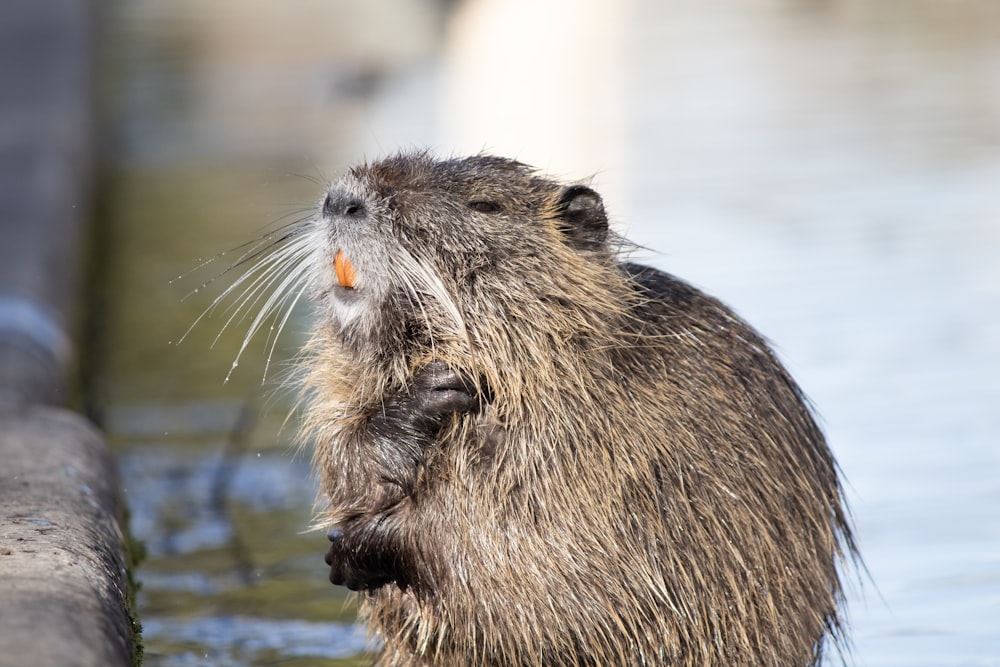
[481, 206]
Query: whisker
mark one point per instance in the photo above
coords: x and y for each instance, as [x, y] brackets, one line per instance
[247, 275]
[292, 266]
[281, 327]
[267, 270]
[265, 278]
[257, 247]
[431, 282]
[219, 299]
[414, 297]
[263, 248]
[319, 178]
[267, 309]
[304, 213]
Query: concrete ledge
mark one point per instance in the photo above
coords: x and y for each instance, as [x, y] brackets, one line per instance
[63, 583]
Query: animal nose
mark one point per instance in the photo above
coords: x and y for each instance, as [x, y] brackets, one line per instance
[339, 204]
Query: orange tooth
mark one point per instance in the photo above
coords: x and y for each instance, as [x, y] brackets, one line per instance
[345, 270]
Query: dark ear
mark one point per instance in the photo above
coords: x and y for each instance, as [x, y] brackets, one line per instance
[582, 218]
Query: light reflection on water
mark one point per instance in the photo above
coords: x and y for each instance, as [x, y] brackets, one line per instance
[830, 169]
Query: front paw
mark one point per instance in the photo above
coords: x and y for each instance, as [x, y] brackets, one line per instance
[353, 565]
[435, 392]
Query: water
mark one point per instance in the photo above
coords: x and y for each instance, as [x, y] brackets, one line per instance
[829, 168]
[835, 175]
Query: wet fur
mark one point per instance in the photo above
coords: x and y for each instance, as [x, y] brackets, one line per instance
[642, 482]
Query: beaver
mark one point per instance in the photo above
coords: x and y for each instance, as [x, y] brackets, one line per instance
[533, 451]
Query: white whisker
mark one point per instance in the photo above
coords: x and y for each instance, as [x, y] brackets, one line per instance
[281, 326]
[413, 295]
[223, 296]
[435, 288]
[273, 268]
[257, 246]
[268, 269]
[293, 275]
[260, 247]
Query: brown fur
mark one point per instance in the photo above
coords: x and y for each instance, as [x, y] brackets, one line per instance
[645, 484]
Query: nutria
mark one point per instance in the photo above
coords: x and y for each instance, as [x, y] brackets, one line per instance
[534, 452]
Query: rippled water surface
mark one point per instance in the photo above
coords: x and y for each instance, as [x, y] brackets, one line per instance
[831, 169]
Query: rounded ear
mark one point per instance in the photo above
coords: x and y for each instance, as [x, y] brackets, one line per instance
[581, 218]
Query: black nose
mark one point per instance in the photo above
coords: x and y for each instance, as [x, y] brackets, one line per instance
[339, 204]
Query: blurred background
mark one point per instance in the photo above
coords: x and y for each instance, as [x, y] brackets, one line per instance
[829, 168]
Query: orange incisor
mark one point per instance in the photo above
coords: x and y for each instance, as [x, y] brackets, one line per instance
[345, 270]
